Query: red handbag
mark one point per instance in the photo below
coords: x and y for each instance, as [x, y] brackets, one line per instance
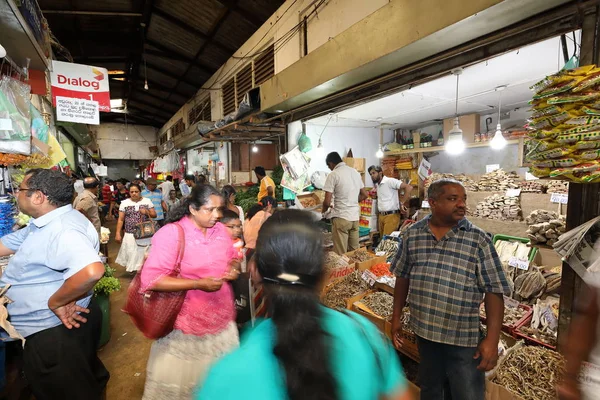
[154, 313]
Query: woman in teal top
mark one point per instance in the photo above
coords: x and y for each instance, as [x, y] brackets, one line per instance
[304, 351]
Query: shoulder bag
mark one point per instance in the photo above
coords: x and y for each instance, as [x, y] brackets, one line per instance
[145, 229]
[154, 313]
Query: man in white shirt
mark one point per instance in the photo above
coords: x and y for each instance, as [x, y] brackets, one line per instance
[346, 187]
[166, 187]
[390, 201]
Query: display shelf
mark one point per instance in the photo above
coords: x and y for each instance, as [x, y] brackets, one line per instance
[441, 148]
[18, 38]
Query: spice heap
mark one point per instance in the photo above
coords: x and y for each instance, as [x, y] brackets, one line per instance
[555, 186]
[565, 125]
[498, 181]
[467, 182]
[388, 246]
[545, 226]
[380, 270]
[381, 303]
[531, 372]
[350, 286]
[531, 187]
[500, 207]
[360, 255]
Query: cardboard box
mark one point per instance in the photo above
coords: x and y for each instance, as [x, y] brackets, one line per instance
[361, 266]
[493, 391]
[318, 202]
[356, 163]
[354, 304]
[339, 273]
[470, 125]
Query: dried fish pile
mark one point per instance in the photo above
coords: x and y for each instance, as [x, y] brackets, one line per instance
[530, 285]
[531, 187]
[500, 207]
[360, 255]
[545, 226]
[389, 247]
[557, 187]
[542, 336]
[512, 315]
[498, 181]
[381, 303]
[531, 372]
[334, 261]
[350, 286]
[552, 277]
[467, 182]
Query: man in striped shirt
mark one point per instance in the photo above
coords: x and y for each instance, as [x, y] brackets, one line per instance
[155, 195]
[449, 266]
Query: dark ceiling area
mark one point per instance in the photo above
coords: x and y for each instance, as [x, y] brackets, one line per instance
[183, 42]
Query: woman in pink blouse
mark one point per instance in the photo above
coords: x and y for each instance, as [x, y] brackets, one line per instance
[205, 328]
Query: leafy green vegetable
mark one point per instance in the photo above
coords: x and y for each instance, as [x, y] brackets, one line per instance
[108, 283]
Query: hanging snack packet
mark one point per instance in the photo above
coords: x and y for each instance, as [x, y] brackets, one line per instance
[592, 79]
[586, 145]
[588, 155]
[560, 78]
[542, 134]
[537, 146]
[587, 120]
[551, 154]
[590, 110]
[550, 121]
[566, 138]
[574, 98]
[539, 172]
[557, 163]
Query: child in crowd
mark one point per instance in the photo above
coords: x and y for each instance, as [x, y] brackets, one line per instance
[234, 225]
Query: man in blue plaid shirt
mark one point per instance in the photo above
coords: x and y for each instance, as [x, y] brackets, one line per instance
[447, 266]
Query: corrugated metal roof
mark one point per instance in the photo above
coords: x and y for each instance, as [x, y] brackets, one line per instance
[184, 42]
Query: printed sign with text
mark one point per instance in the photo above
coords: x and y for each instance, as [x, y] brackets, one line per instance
[80, 81]
[77, 110]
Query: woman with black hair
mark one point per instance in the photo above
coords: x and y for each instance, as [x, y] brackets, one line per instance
[303, 351]
[229, 194]
[205, 327]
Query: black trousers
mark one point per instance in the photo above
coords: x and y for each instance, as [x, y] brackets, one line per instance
[61, 363]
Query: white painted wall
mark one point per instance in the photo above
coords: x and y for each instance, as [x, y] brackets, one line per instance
[334, 18]
[364, 143]
[125, 142]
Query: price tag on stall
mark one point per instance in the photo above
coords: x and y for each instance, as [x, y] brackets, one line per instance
[561, 198]
[380, 253]
[395, 234]
[518, 263]
[510, 303]
[369, 277]
[513, 192]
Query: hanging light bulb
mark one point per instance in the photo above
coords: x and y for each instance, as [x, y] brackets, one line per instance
[255, 148]
[320, 150]
[379, 153]
[455, 144]
[146, 84]
[145, 73]
[499, 142]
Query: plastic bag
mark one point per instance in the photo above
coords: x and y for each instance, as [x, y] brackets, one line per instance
[577, 137]
[574, 98]
[556, 163]
[586, 145]
[592, 79]
[541, 145]
[542, 134]
[15, 117]
[304, 143]
[550, 121]
[318, 179]
[588, 154]
[587, 120]
[550, 154]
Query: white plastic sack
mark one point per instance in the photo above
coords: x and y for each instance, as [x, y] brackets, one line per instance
[318, 179]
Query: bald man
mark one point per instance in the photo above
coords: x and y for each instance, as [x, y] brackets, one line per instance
[87, 202]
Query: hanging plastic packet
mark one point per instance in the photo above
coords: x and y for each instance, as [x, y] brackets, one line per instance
[577, 137]
[592, 79]
[588, 155]
[587, 120]
[542, 134]
[590, 110]
[550, 121]
[582, 97]
[587, 145]
[540, 172]
[551, 154]
[557, 163]
[537, 146]
[560, 79]
[577, 169]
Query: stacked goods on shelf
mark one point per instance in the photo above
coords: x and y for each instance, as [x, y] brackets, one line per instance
[498, 181]
[555, 186]
[530, 372]
[500, 207]
[467, 182]
[531, 187]
[404, 163]
[368, 214]
[338, 292]
[545, 227]
[565, 126]
[388, 166]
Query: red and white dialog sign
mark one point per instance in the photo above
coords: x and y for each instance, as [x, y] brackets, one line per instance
[80, 81]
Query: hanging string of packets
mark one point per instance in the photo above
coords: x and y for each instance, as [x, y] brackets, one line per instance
[7, 213]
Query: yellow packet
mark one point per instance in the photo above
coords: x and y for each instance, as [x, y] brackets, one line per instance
[587, 145]
[550, 154]
[557, 163]
[587, 155]
[592, 79]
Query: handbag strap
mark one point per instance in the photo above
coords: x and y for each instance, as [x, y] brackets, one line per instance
[181, 248]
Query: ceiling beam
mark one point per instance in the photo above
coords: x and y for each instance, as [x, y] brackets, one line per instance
[168, 73]
[93, 13]
[211, 34]
[161, 98]
[144, 103]
[102, 59]
[247, 15]
[152, 114]
[191, 29]
[175, 55]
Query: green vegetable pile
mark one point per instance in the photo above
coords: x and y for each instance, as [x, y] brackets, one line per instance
[108, 283]
[248, 198]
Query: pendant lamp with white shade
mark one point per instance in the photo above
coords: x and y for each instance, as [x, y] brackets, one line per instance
[455, 144]
[498, 142]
